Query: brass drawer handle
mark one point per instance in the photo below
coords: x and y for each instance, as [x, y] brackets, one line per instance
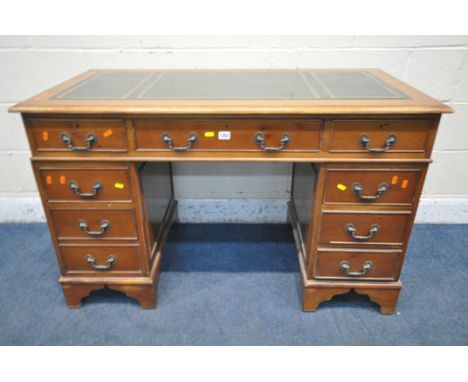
[260, 141]
[111, 260]
[91, 140]
[366, 268]
[104, 226]
[97, 186]
[191, 140]
[351, 231]
[358, 190]
[389, 142]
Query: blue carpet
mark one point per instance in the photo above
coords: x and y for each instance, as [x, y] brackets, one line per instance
[233, 285]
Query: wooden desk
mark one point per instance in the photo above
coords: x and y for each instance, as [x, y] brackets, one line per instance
[360, 141]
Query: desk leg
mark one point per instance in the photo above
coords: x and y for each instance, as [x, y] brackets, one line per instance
[313, 297]
[144, 294]
[386, 297]
[74, 294]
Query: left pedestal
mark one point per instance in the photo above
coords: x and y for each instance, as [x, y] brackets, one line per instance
[144, 294]
[100, 227]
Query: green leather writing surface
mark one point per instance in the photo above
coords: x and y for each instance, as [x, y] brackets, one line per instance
[351, 85]
[232, 85]
[110, 85]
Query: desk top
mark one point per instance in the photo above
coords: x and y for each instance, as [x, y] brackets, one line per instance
[319, 91]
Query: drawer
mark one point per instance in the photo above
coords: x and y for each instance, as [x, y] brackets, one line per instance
[371, 186]
[85, 184]
[380, 136]
[93, 259]
[78, 135]
[363, 228]
[361, 264]
[273, 135]
[97, 224]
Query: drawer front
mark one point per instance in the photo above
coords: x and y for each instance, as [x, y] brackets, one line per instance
[363, 228]
[369, 186]
[379, 137]
[100, 260]
[78, 135]
[85, 185]
[228, 135]
[357, 265]
[94, 224]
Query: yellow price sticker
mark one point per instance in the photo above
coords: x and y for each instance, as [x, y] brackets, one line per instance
[341, 187]
[209, 134]
[119, 185]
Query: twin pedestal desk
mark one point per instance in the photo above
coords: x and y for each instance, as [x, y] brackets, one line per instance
[360, 142]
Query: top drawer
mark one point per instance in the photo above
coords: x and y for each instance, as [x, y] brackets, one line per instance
[379, 137]
[270, 135]
[78, 135]
[368, 186]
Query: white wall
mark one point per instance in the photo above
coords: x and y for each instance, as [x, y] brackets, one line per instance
[437, 65]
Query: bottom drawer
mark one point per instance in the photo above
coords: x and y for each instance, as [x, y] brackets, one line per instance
[94, 259]
[377, 265]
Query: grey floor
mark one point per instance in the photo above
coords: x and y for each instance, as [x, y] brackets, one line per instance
[233, 285]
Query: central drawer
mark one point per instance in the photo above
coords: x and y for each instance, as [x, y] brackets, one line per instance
[94, 224]
[367, 228]
[270, 135]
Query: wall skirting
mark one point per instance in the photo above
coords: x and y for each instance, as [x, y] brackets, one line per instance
[442, 211]
[24, 209]
[445, 211]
